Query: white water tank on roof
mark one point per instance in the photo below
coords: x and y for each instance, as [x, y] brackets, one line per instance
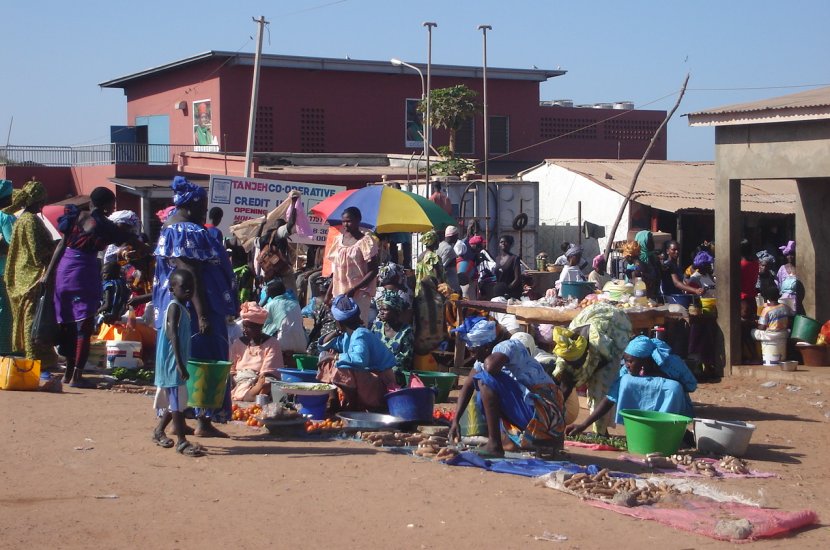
[563, 102]
[603, 105]
[624, 105]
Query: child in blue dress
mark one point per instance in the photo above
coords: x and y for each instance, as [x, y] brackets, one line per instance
[172, 353]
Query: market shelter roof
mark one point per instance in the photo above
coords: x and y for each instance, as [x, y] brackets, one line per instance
[675, 186]
[809, 105]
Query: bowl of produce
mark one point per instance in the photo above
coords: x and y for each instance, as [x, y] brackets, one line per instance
[303, 388]
[443, 382]
[369, 421]
[723, 437]
[653, 432]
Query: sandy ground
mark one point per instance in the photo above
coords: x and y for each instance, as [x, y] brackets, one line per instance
[79, 470]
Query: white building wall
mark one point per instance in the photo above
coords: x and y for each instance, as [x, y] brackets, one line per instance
[560, 191]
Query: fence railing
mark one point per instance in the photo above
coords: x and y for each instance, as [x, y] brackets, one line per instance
[95, 155]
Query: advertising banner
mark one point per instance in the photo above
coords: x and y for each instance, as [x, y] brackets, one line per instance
[243, 199]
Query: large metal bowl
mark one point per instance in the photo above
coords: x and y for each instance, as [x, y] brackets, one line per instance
[370, 421]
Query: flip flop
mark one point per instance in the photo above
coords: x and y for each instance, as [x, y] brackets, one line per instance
[162, 440]
[187, 448]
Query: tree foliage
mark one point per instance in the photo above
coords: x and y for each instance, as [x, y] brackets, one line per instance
[449, 108]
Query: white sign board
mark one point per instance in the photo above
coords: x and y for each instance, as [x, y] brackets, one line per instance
[243, 199]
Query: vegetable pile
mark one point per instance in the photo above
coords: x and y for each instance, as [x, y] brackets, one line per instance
[617, 441]
[120, 373]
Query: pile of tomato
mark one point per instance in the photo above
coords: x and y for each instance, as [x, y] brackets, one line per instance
[444, 415]
[248, 415]
[317, 426]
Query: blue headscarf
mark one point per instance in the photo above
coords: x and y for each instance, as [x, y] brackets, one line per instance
[5, 188]
[344, 308]
[185, 192]
[703, 258]
[671, 365]
[477, 332]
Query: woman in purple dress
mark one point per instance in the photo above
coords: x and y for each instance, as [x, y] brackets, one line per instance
[78, 284]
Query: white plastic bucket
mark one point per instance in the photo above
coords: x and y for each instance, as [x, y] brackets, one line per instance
[123, 353]
[773, 345]
[723, 437]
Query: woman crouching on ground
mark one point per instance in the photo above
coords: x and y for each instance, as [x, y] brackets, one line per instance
[255, 357]
[356, 361]
[653, 379]
[511, 386]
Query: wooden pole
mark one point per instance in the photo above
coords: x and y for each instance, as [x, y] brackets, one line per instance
[639, 169]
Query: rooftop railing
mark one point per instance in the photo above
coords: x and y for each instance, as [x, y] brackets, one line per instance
[96, 155]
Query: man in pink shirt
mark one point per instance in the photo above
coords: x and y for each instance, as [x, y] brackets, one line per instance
[441, 199]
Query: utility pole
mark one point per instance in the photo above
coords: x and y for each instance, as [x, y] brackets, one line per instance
[428, 122]
[484, 29]
[249, 148]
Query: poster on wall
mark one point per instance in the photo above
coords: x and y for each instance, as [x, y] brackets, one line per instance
[203, 136]
[243, 199]
[414, 125]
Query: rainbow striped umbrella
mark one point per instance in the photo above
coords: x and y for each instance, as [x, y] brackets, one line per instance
[385, 210]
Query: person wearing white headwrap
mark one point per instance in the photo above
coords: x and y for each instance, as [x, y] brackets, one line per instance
[571, 272]
[511, 386]
[125, 219]
[446, 251]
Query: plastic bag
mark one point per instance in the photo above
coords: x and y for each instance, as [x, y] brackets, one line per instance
[44, 324]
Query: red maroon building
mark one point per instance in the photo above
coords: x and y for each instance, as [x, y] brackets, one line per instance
[322, 105]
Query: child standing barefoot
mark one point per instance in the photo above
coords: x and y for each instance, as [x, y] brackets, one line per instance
[172, 353]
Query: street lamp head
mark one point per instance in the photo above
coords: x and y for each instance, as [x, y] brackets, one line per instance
[396, 62]
[485, 28]
[430, 24]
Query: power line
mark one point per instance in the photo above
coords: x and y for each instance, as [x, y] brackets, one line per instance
[756, 88]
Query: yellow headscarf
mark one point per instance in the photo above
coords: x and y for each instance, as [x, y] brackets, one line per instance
[569, 346]
[632, 249]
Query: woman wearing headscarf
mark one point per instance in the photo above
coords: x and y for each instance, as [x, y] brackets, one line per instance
[30, 252]
[78, 285]
[126, 220]
[393, 331]
[356, 361]
[632, 265]
[766, 270]
[571, 272]
[653, 379]
[588, 353]
[184, 243]
[703, 329]
[6, 229]
[599, 276]
[354, 262]
[430, 292]
[787, 274]
[392, 277]
[519, 400]
[701, 277]
[255, 357]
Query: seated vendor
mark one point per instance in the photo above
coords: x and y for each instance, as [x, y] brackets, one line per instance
[511, 386]
[355, 360]
[653, 379]
[255, 357]
[393, 332]
[571, 272]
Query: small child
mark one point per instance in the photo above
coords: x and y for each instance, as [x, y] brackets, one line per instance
[775, 317]
[172, 353]
[115, 294]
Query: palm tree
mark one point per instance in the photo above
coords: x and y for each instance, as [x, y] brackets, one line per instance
[449, 108]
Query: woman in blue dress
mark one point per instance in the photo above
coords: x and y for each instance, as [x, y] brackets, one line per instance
[185, 243]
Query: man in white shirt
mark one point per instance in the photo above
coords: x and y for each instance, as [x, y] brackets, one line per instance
[446, 251]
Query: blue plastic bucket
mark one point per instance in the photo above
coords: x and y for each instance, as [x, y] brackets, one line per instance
[313, 405]
[412, 404]
[576, 289]
[294, 375]
[684, 300]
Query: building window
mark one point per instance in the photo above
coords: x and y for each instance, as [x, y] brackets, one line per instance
[630, 130]
[464, 138]
[414, 125]
[264, 129]
[567, 128]
[499, 131]
[312, 130]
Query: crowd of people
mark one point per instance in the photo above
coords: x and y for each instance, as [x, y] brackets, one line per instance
[372, 320]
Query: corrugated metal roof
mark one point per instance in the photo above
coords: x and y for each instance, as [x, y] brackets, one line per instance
[808, 105]
[334, 64]
[676, 186]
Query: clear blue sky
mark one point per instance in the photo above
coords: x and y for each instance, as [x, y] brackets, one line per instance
[56, 52]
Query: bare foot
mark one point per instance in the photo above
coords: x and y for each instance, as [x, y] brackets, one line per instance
[206, 429]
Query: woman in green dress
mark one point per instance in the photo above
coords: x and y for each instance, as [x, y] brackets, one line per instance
[393, 332]
[430, 283]
[30, 252]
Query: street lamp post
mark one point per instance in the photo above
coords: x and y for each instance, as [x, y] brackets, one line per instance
[398, 63]
[428, 121]
[484, 29]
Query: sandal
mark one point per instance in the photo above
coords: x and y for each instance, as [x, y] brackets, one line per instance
[162, 440]
[187, 448]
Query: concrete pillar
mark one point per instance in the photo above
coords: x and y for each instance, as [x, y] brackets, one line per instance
[727, 267]
[812, 232]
